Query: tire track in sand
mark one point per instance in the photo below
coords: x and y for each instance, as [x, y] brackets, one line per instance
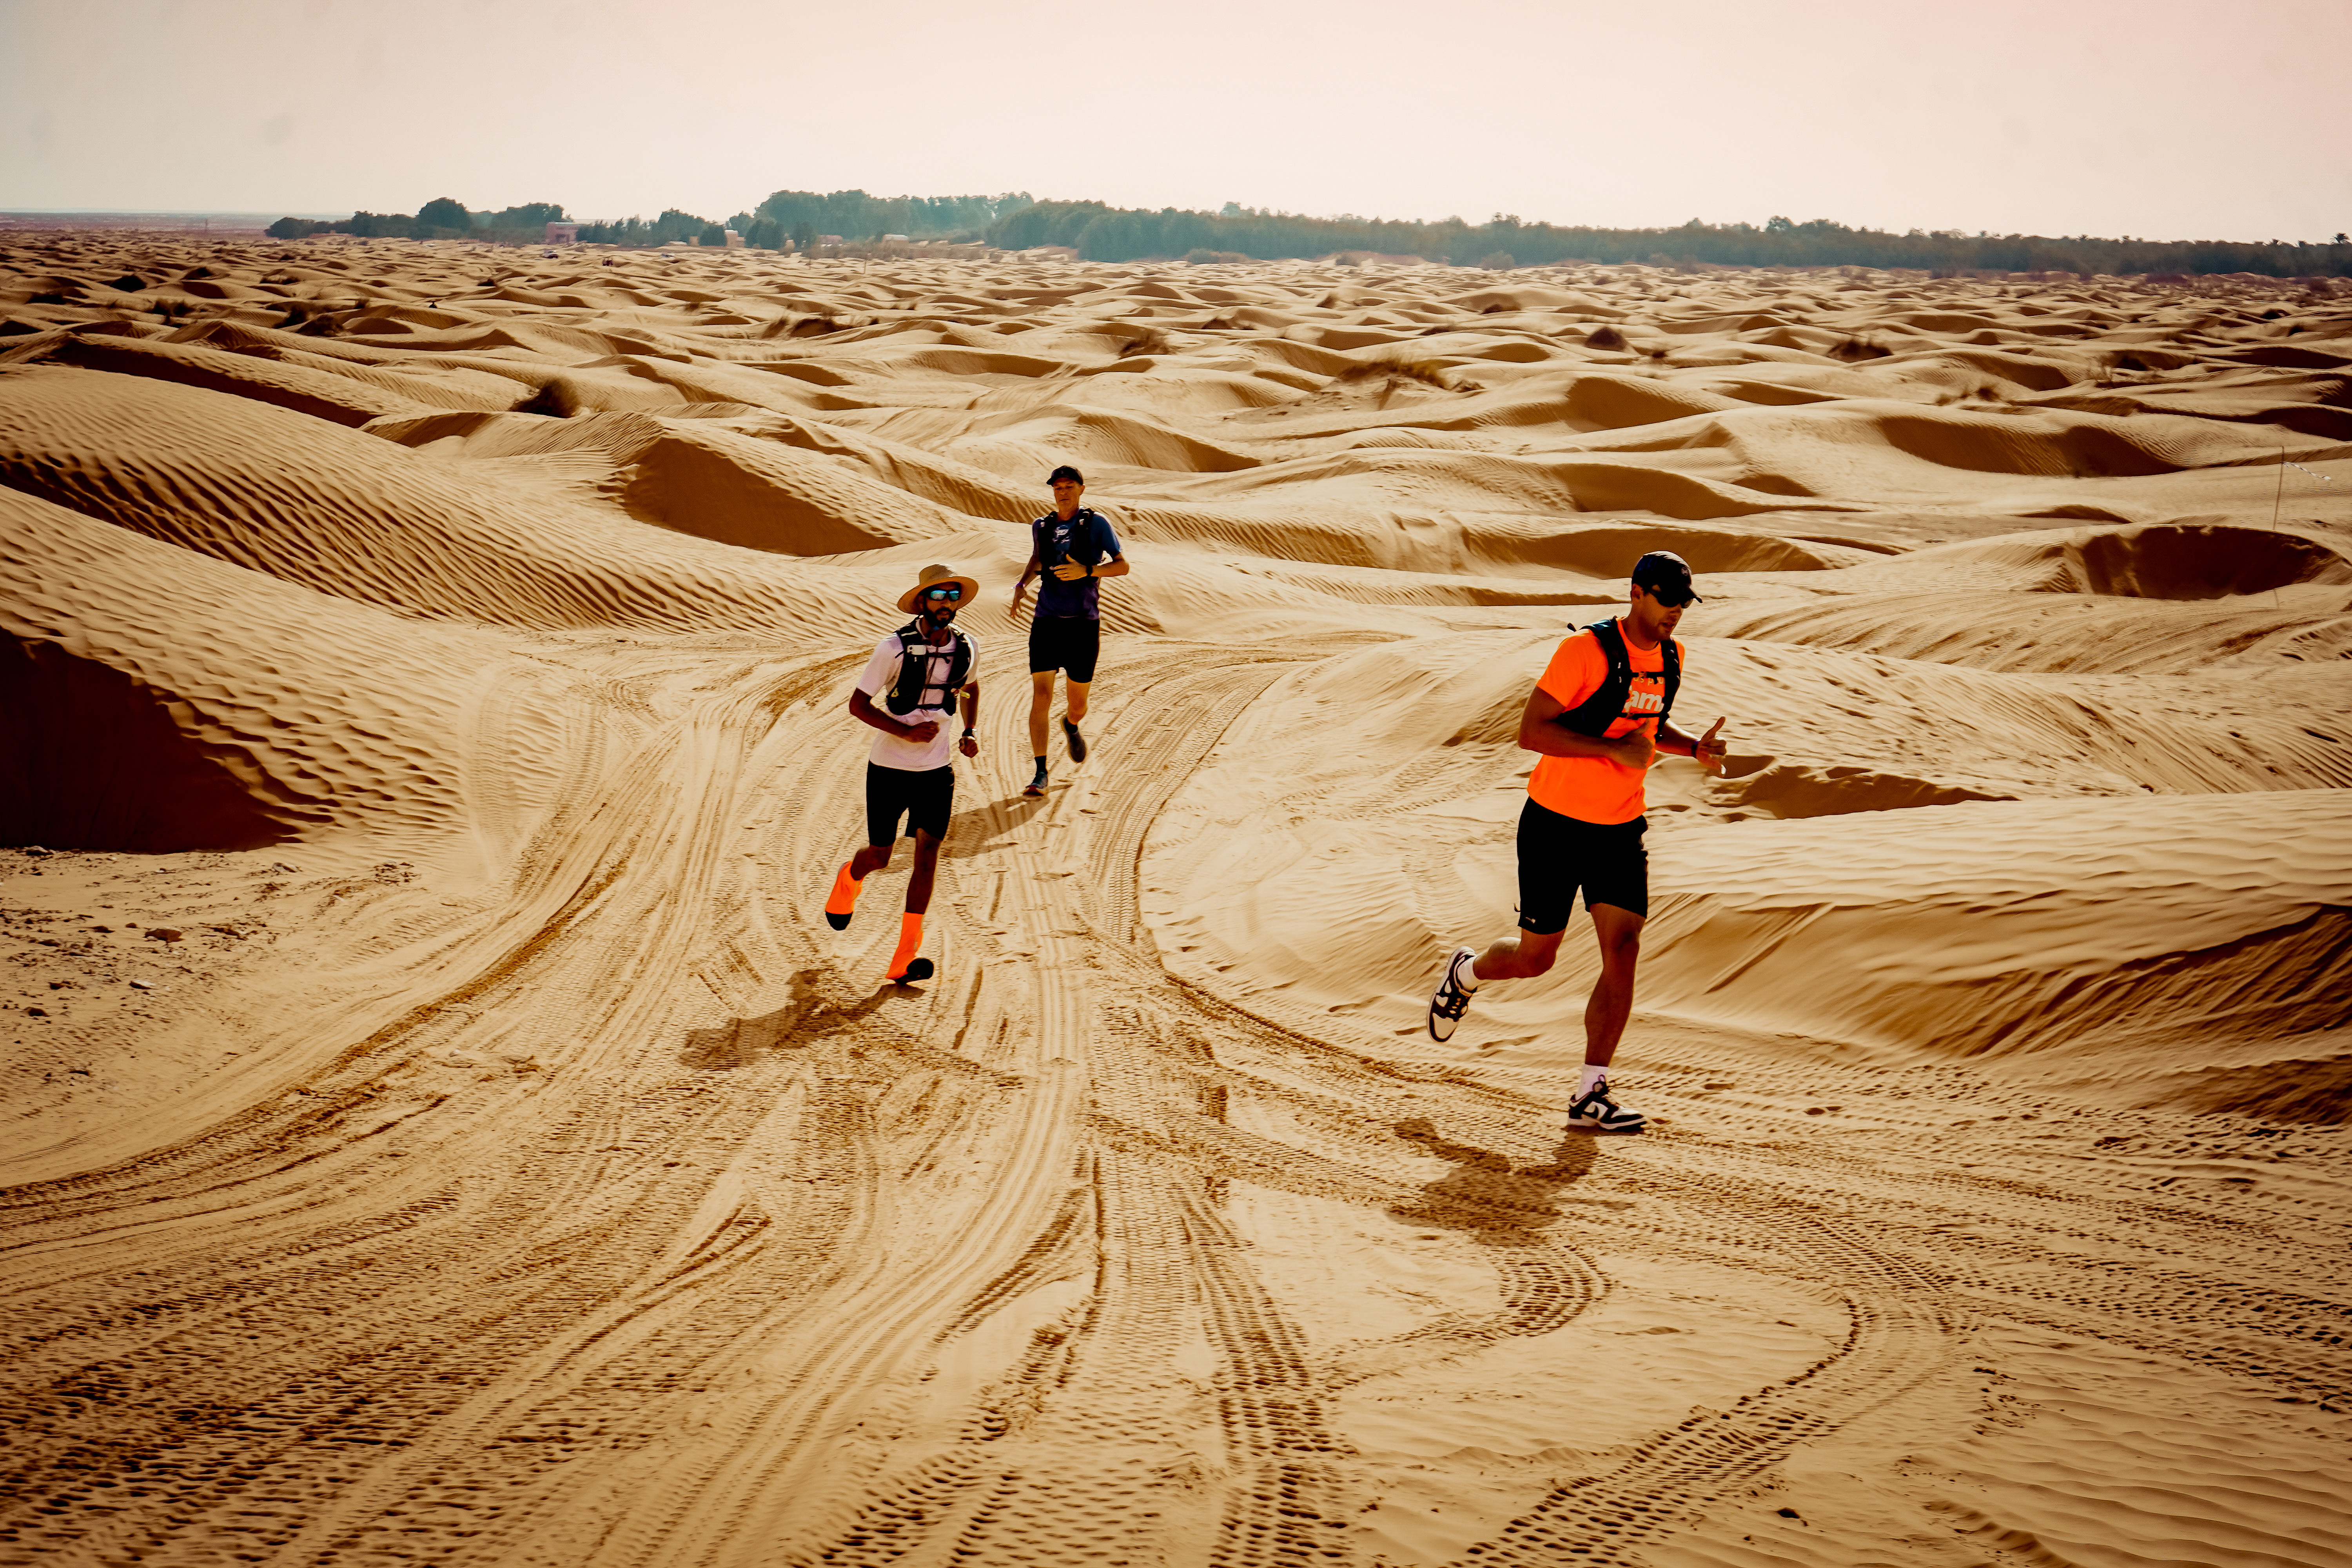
[763, 1262]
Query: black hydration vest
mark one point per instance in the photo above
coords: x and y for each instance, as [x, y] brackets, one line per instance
[1042, 531]
[915, 668]
[1607, 704]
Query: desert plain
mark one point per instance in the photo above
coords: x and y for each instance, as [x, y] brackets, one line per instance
[437, 1128]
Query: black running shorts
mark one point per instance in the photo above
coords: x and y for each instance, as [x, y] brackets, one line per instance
[1070, 642]
[1558, 855]
[924, 799]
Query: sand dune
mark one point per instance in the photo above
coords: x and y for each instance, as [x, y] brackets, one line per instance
[437, 1128]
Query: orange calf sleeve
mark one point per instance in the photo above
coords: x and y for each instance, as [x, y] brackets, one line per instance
[910, 940]
[845, 893]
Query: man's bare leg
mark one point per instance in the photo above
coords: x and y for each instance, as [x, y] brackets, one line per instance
[1618, 932]
[841, 903]
[1041, 709]
[904, 964]
[1077, 706]
[1518, 958]
[927, 868]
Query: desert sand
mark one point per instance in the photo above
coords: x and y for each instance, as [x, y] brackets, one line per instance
[438, 1129]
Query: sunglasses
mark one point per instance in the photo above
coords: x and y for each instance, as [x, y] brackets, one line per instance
[950, 594]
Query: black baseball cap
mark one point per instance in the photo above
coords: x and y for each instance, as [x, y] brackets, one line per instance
[1667, 576]
[1066, 472]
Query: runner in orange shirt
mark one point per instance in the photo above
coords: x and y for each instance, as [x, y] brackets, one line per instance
[1598, 717]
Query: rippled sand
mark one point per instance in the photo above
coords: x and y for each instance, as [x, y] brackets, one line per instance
[435, 1126]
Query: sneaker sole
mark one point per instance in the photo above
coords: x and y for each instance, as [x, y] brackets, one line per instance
[920, 969]
[838, 922]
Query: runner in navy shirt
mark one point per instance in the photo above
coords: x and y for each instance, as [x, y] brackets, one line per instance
[1070, 548]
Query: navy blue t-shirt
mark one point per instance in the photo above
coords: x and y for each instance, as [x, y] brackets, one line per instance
[1085, 539]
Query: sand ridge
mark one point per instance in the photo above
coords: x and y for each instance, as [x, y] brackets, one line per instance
[440, 1129]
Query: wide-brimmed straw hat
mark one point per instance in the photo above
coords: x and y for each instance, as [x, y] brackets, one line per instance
[932, 577]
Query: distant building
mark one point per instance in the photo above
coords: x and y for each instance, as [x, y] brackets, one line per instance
[734, 240]
[829, 240]
[562, 234]
[894, 239]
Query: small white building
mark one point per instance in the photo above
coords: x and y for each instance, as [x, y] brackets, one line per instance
[562, 234]
[734, 240]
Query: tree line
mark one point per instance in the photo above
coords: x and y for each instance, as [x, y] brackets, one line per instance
[440, 218]
[799, 220]
[787, 219]
[1102, 233]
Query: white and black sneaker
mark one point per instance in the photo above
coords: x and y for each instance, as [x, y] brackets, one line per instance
[1452, 997]
[1594, 1111]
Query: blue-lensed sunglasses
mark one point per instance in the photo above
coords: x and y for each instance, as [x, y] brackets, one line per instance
[949, 591]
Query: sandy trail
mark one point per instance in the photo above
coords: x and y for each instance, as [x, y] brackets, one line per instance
[753, 1265]
[501, 1163]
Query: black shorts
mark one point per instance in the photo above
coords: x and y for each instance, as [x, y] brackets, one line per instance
[1559, 854]
[924, 798]
[1069, 643]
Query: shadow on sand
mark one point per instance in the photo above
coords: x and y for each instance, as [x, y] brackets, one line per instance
[977, 829]
[1545, 1281]
[1485, 1195]
[804, 1020]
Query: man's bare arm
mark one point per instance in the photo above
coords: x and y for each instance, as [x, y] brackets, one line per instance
[1709, 749]
[1539, 731]
[1072, 570]
[1028, 572]
[971, 719]
[863, 707]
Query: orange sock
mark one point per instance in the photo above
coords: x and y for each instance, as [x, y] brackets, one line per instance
[846, 889]
[910, 939]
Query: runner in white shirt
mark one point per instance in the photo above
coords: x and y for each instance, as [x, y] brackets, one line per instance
[909, 691]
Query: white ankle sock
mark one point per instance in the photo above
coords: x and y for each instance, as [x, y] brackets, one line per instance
[1465, 974]
[1593, 1078]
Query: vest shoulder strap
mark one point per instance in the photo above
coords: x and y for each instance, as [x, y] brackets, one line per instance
[1599, 710]
[1611, 638]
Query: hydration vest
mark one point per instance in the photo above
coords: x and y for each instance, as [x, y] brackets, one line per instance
[1041, 530]
[1607, 704]
[915, 668]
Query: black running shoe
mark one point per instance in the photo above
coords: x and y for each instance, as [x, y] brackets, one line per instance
[1452, 998]
[1596, 1112]
[1078, 741]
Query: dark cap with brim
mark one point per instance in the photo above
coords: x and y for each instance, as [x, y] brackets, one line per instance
[1667, 576]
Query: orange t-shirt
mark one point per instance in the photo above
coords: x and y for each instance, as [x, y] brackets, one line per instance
[1598, 789]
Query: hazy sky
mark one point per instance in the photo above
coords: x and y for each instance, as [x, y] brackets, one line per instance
[2168, 119]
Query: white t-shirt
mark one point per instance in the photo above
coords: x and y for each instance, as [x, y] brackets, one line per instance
[937, 702]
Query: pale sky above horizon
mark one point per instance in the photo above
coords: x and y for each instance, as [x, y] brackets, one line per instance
[2164, 119]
